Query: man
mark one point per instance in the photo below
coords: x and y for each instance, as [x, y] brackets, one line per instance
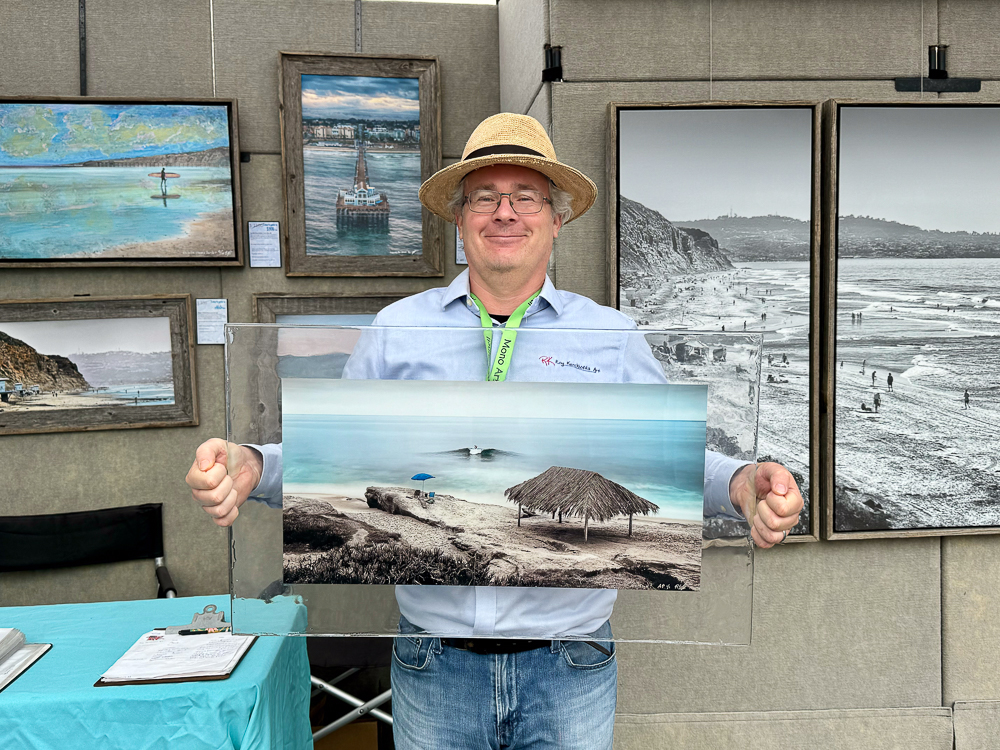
[510, 197]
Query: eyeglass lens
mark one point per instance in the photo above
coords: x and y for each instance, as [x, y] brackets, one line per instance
[522, 201]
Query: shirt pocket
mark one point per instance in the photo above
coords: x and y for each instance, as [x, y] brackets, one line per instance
[581, 655]
[412, 652]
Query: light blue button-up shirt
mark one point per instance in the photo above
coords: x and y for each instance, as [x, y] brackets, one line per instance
[571, 353]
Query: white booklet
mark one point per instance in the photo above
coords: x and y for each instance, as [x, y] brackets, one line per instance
[159, 656]
[16, 655]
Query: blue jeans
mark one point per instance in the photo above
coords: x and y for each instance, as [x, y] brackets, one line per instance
[562, 696]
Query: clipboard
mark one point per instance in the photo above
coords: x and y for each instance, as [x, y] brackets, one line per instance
[170, 648]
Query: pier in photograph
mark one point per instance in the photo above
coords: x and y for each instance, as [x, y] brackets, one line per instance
[362, 202]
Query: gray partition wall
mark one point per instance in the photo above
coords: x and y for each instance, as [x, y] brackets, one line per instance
[855, 644]
[194, 48]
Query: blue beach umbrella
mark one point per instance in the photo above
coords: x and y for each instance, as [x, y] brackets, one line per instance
[422, 478]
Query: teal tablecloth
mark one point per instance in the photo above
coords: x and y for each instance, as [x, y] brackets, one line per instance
[263, 705]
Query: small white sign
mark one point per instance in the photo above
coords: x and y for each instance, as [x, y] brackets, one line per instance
[213, 314]
[460, 250]
[265, 244]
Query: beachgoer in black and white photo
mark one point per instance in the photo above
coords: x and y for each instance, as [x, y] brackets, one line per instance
[888, 380]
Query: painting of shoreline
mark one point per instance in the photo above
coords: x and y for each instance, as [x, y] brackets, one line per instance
[115, 182]
[361, 162]
[917, 321]
[715, 227]
[85, 364]
[424, 482]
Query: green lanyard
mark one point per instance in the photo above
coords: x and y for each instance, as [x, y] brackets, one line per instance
[497, 369]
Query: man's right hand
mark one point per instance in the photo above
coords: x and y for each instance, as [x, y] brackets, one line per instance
[222, 477]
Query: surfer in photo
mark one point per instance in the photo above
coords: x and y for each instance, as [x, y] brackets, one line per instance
[163, 180]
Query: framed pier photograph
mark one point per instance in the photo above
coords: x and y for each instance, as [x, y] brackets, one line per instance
[97, 363]
[913, 319]
[119, 182]
[359, 135]
[713, 225]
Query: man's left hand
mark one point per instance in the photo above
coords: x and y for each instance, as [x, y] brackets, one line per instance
[769, 498]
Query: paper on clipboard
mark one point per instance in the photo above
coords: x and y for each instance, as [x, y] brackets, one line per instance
[159, 656]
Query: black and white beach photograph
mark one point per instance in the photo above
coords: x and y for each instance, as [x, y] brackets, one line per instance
[917, 315]
[715, 227]
[461, 483]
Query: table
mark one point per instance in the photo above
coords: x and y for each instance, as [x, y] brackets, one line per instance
[263, 705]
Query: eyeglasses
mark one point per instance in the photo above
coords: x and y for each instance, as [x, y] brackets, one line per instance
[521, 201]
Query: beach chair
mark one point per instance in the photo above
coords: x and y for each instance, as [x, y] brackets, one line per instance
[91, 537]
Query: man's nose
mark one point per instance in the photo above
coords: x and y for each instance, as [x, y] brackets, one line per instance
[505, 211]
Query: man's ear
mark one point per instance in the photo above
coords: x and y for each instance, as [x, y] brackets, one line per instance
[556, 225]
[458, 223]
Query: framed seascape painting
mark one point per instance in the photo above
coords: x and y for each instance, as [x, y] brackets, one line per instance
[913, 320]
[119, 182]
[359, 135]
[713, 225]
[98, 363]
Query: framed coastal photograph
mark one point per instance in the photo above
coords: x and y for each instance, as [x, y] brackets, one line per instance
[119, 182]
[913, 320]
[360, 134]
[443, 483]
[713, 225]
[100, 363]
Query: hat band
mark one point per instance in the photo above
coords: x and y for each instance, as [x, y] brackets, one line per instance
[505, 149]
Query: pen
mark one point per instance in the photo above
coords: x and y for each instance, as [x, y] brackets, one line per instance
[201, 631]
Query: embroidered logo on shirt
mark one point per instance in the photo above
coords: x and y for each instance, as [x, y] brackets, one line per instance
[560, 363]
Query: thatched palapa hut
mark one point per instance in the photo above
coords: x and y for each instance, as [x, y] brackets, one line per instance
[576, 492]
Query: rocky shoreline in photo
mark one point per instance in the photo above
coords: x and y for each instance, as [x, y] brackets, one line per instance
[395, 536]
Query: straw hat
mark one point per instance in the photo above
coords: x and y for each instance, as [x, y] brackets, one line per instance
[508, 139]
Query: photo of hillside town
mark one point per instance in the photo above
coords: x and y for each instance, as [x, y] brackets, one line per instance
[714, 228]
[917, 320]
[361, 162]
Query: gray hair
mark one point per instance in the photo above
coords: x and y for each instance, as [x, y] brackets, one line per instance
[562, 201]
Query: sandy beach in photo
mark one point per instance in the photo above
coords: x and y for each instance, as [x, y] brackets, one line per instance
[486, 538]
[208, 236]
[70, 400]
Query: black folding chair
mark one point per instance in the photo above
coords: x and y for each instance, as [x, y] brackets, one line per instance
[63, 540]
[352, 655]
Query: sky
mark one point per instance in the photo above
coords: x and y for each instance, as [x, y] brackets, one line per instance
[428, 398]
[933, 167]
[68, 337]
[37, 135]
[691, 164]
[362, 97]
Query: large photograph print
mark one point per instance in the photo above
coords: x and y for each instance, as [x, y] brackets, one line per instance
[92, 364]
[915, 321]
[118, 182]
[468, 483]
[363, 134]
[714, 227]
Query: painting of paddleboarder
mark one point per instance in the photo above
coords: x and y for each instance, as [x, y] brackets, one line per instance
[76, 186]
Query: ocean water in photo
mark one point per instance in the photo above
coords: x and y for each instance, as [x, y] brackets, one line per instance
[52, 212]
[147, 394]
[924, 459]
[327, 171]
[662, 462]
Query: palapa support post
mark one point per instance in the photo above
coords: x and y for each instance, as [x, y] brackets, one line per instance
[630, 524]
[519, 514]
[586, 521]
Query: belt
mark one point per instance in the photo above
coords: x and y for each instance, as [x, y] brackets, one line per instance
[504, 645]
[494, 646]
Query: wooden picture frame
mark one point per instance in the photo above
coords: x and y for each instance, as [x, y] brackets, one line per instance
[266, 309]
[387, 225]
[911, 322]
[76, 207]
[808, 528]
[60, 402]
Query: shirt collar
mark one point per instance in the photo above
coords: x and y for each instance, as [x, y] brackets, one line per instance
[459, 288]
